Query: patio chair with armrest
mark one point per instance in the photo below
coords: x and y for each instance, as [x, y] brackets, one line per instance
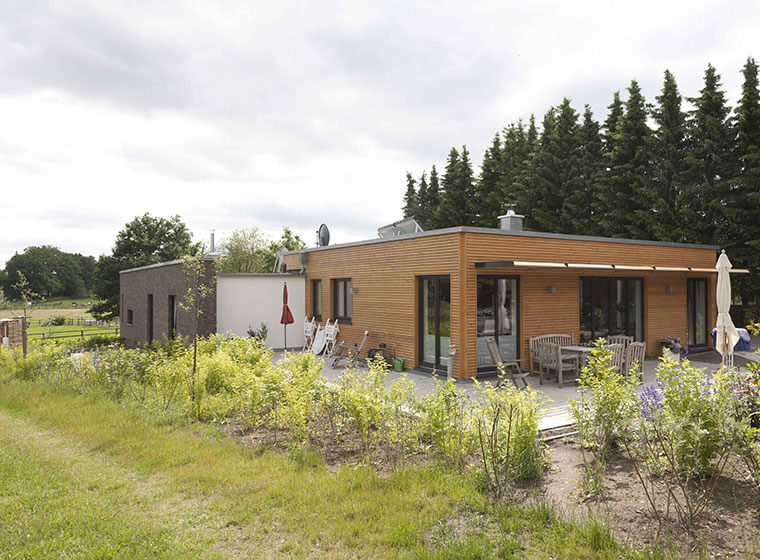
[620, 339]
[561, 339]
[618, 357]
[634, 358]
[350, 352]
[511, 369]
[551, 358]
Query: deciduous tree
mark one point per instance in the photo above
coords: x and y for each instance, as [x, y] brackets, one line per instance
[143, 241]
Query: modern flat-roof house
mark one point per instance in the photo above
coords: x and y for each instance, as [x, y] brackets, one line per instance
[429, 290]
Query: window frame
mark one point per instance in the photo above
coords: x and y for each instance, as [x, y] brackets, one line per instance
[347, 300]
[516, 324]
[316, 297]
[626, 280]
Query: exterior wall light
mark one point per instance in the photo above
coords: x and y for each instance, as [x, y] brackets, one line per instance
[551, 290]
[668, 289]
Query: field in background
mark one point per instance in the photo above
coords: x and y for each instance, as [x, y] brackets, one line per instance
[75, 312]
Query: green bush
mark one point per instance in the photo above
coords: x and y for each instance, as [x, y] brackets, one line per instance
[445, 422]
[55, 321]
[506, 429]
[692, 420]
[603, 413]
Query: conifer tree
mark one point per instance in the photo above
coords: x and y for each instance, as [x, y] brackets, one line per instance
[623, 197]
[538, 180]
[467, 186]
[453, 208]
[601, 182]
[423, 209]
[711, 165]
[577, 207]
[746, 201]
[514, 158]
[411, 204]
[532, 136]
[434, 201]
[488, 196]
[668, 163]
[611, 122]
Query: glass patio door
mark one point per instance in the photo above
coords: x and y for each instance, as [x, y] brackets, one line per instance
[696, 312]
[435, 321]
[497, 316]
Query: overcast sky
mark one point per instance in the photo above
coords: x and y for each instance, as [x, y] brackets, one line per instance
[241, 114]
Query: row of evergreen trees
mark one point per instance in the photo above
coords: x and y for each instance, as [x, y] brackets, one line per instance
[650, 171]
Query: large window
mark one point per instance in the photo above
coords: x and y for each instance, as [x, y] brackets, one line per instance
[612, 306]
[342, 299]
[497, 317]
[316, 299]
[696, 312]
[435, 321]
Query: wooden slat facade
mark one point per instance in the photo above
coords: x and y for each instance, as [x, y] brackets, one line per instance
[386, 276]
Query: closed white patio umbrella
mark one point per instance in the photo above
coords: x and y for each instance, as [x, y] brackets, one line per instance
[726, 336]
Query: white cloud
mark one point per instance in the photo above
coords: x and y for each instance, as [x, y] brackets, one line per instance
[289, 113]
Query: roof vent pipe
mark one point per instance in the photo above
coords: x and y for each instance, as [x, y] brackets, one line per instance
[211, 247]
[511, 221]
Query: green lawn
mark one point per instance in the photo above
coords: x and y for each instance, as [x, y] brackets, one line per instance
[83, 477]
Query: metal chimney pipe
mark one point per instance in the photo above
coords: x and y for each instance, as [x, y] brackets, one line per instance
[211, 248]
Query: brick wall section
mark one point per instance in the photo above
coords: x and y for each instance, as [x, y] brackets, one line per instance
[13, 330]
[162, 281]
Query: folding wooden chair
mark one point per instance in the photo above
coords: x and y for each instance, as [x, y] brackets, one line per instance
[511, 369]
[350, 352]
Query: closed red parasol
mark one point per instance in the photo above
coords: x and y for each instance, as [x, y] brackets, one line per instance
[287, 316]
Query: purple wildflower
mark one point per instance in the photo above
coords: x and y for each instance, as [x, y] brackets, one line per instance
[650, 400]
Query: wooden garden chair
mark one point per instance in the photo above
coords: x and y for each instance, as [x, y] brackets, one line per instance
[511, 369]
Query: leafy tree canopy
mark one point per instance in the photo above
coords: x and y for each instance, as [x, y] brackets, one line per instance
[249, 250]
[50, 272]
[143, 241]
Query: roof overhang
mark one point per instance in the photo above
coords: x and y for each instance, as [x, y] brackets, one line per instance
[596, 266]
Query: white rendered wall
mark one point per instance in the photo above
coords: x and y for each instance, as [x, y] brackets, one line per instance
[245, 301]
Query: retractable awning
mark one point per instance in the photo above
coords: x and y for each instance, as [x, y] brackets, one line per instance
[596, 266]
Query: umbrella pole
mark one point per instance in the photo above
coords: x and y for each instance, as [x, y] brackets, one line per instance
[285, 334]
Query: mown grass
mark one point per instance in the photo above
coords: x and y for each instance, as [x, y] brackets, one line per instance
[87, 477]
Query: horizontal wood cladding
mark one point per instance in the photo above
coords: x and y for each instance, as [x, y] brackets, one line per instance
[482, 247]
[385, 277]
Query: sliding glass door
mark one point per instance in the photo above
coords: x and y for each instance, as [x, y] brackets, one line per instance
[497, 316]
[612, 306]
[435, 321]
[696, 312]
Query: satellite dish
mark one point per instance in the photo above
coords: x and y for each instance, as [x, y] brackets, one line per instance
[323, 236]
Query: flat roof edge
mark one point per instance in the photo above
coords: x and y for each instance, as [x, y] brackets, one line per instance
[294, 274]
[495, 231]
[207, 258]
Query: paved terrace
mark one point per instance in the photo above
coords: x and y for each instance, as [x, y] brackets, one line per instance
[557, 415]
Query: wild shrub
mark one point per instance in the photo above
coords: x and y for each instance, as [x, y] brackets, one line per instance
[300, 393]
[445, 423]
[166, 376]
[400, 433]
[689, 425]
[122, 373]
[603, 413]
[55, 321]
[506, 429]
[360, 402]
